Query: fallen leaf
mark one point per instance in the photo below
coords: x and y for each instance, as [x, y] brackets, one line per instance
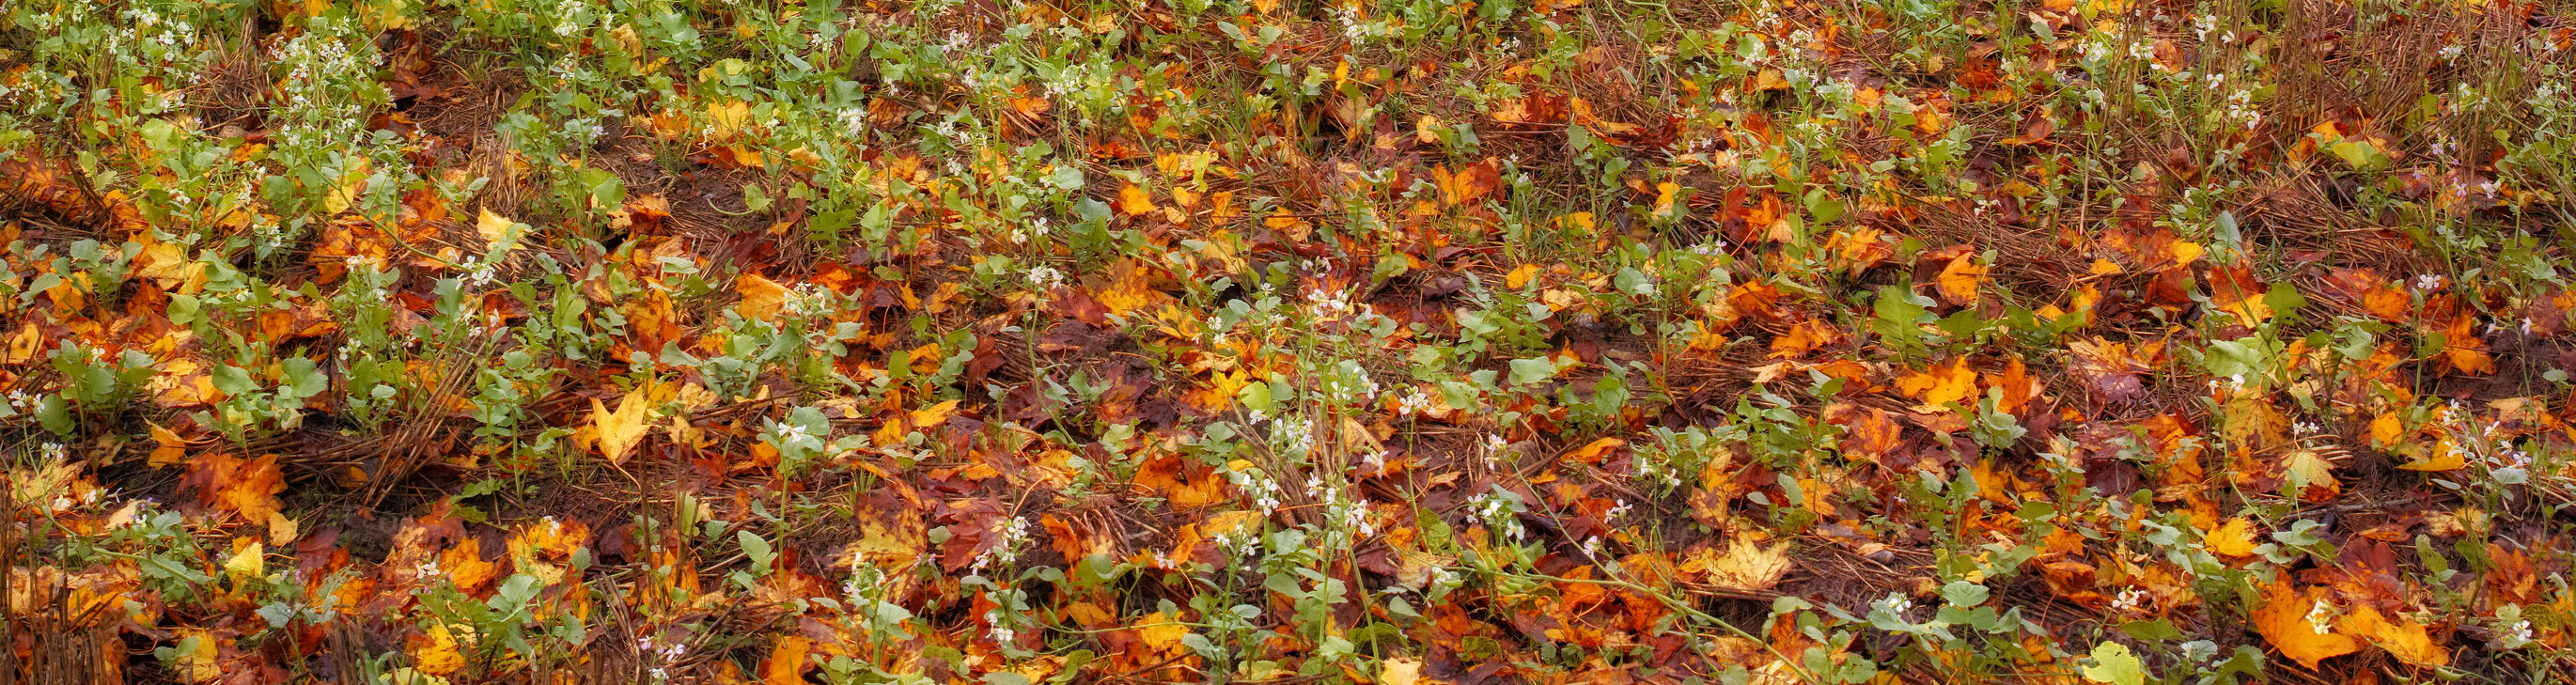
[620, 430]
[252, 489]
[434, 651]
[786, 664]
[1591, 453]
[1134, 201]
[2284, 620]
[492, 227]
[1960, 279]
[1399, 672]
[1162, 632]
[169, 449]
[2234, 538]
[761, 298]
[1941, 384]
[2403, 638]
[2112, 663]
[196, 656]
[2440, 456]
[1749, 566]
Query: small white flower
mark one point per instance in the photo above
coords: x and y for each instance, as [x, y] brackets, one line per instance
[2318, 616]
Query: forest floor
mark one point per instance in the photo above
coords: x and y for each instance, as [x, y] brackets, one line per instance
[1287, 341]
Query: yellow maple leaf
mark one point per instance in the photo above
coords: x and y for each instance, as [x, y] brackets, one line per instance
[1219, 392]
[1581, 221]
[196, 656]
[1130, 288]
[282, 529]
[434, 652]
[1664, 195]
[23, 346]
[249, 560]
[164, 262]
[725, 119]
[2234, 538]
[2442, 456]
[464, 566]
[2285, 621]
[171, 448]
[1288, 223]
[2403, 638]
[1770, 79]
[1749, 566]
[761, 298]
[619, 430]
[1959, 280]
[346, 191]
[2386, 430]
[2185, 252]
[934, 414]
[2464, 356]
[1161, 632]
[1231, 522]
[888, 539]
[2314, 473]
[493, 227]
[1520, 276]
[2253, 422]
[1399, 672]
[2234, 289]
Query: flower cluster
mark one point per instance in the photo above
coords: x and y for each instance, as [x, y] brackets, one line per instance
[1259, 486]
[1500, 511]
[1007, 550]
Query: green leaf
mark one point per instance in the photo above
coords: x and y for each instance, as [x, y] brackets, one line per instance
[1822, 206]
[234, 380]
[831, 223]
[1254, 396]
[2284, 300]
[182, 310]
[2358, 153]
[755, 547]
[1532, 370]
[1066, 178]
[304, 379]
[54, 414]
[1964, 593]
[42, 283]
[1897, 311]
[2158, 629]
[2114, 664]
[2249, 357]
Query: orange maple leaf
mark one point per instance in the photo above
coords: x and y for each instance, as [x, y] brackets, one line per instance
[2404, 638]
[1135, 201]
[2288, 620]
[1940, 384]
[1959, 280]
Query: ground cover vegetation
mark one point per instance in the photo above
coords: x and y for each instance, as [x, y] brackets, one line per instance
[1287, 341]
